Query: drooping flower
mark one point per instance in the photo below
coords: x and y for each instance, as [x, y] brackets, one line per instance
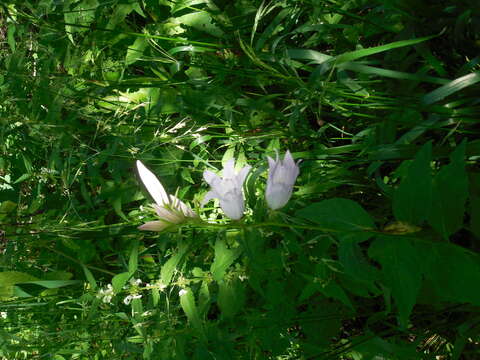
[281, 178]
[228, 189]
[169, 208]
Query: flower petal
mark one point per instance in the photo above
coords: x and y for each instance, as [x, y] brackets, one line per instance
[153, 185]
[212, 194]
[233, 208]
[210, 177]
[229, 169]
[154, 226]
[242, 175]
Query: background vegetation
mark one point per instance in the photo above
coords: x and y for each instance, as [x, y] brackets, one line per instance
[376, 256]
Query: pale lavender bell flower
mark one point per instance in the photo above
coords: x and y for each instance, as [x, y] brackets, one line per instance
[281, 178]
[228, 189]
[170, 209]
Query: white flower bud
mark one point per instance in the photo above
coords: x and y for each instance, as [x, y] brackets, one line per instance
[281, 178]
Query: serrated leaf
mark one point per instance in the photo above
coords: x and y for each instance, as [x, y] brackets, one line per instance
[187, 302]
[231, 297]
[339, 215]
[224, 257]
[413, 198]
[356, 265]
[451, 272]
[401, 271]
[450, 192]
[201, 21]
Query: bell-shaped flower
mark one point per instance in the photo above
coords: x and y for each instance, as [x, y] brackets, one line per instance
[170, 209]
[227, 189]
[281, 177]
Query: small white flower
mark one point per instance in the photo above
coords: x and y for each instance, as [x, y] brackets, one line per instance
[129, 298]
[228, 189]
[182, 292]
[3, 314]
[135, 282]
[169, 208]
[281, 177]
[106, 294]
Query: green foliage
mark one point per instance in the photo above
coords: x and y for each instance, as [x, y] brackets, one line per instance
[376, 255]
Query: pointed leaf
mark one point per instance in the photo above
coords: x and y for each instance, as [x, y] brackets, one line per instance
[401, 270]
[413, 198]
[450, 192]
[339, 215]
[224, 257]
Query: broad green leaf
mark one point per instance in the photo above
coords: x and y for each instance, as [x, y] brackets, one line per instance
[339, 215]
[187, 302]
[450, 192]
[231, 297]
[451, 273]
[224, 257]
[412, 199]
[135, 51]
[119, 280]
[171, 265]
[356, 265]
[10, 278]
[401, 271]
[324, 283]
[451, 88]
[475, 204]
[201, 21]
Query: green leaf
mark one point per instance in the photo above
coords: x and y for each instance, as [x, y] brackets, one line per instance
[339, 215]
[22, 178]
[231, 297]
[357, 54]
[450, 272]
[90, 277]
[52, 284]
[133, 260]
[413, 198]
[451, 88]
[201, 21]
[187, 302]
[171, 265]
[450, 192]
[224, 257]
[10, 278]
[401, 270]
[119, 280]
[475, 204]
[356, 265]
[135, 51]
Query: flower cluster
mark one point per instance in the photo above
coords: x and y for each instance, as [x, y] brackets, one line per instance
[228, 189]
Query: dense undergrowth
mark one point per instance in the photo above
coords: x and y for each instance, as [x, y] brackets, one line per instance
[376, 256]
